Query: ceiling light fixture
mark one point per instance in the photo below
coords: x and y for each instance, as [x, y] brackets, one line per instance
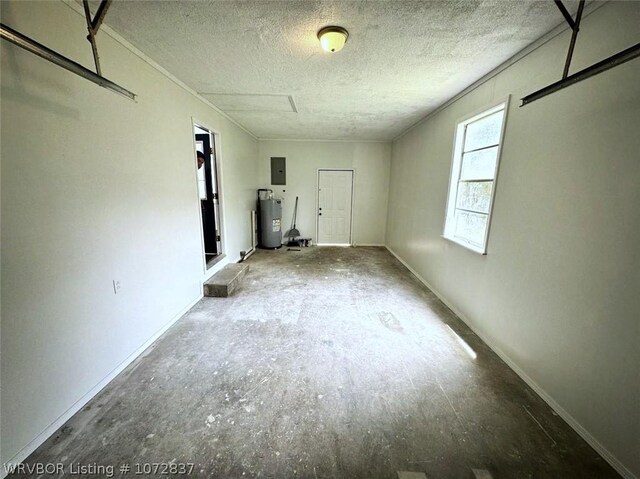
[332, 38]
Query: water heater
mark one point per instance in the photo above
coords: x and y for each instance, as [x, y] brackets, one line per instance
[270, 223]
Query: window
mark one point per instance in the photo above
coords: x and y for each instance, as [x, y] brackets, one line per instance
[473, 174]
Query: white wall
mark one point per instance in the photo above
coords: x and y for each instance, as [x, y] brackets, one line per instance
[371, 161]
[557, 293]
[95, 188]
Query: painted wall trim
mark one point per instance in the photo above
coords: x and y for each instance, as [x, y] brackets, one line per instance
[75, 6]
[575, 425]
[27, 450]
[588, 10]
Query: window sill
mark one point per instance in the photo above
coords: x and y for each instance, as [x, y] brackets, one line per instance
[470, 247]
[212, 262]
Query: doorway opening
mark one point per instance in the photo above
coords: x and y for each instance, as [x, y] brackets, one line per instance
[335, 205]
[207, 171]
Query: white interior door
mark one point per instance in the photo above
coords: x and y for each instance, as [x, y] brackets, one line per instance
[334, 206]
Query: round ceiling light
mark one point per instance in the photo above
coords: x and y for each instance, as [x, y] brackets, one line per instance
[332, 38]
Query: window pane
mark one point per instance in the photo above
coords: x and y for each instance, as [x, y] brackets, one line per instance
[471, 227]
[479, 165]
[201, 174]
[202, 184]
[202, 189]
[484, 132]
[475, 196]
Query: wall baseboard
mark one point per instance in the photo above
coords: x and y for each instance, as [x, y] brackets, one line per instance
[369, 244]
[27, 450]
[575, 425]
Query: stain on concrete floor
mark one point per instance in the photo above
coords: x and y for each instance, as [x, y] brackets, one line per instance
[327, 363]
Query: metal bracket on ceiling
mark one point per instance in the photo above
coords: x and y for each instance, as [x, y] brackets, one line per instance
[573, 24]
[93, 25]
[567, 80]
[17, 38]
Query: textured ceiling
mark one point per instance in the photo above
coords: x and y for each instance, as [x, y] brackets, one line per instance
[402, 59]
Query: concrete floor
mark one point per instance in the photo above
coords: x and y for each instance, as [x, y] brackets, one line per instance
[328, 362]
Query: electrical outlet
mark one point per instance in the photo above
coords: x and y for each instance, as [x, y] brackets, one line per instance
[116, 286]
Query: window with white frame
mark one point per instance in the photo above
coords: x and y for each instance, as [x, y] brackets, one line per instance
[474, 170]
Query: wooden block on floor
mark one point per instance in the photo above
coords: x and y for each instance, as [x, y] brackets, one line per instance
[411, 475]
[226, 281]
[481, 474]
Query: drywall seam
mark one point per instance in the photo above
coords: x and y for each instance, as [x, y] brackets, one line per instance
[122, 41]
[589, 9]
[35, 443]
[324, 141]
[575, 425]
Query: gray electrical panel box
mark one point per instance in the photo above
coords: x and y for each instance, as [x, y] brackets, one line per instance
[278, 170]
